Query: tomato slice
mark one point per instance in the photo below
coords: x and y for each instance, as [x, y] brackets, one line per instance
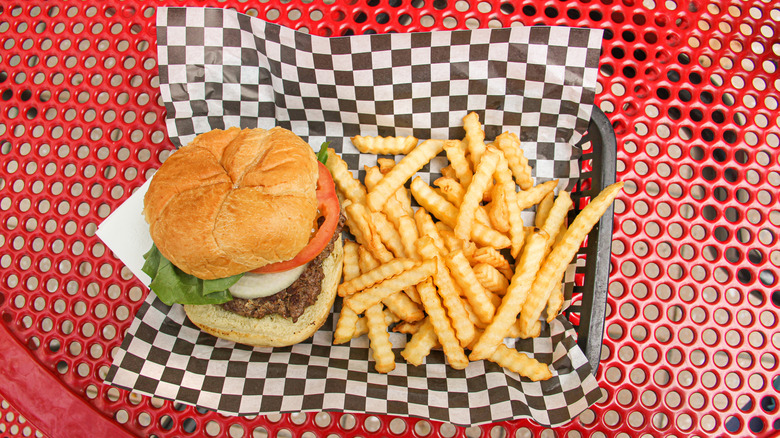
[329, 208]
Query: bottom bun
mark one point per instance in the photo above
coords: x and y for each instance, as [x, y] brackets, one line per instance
[273, 330]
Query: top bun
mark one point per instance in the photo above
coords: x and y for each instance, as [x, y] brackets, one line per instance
[232, 201]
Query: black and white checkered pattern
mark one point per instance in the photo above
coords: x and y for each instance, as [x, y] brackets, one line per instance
[219, 68]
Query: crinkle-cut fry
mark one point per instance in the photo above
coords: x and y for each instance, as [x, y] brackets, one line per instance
[345, 326]
[385, 164]
[442, 325]
[384, 145]
[553, 225]
[498, 210]
[361, 328]
[504, 179]
[408, 328]
[455, 243]
[350, 187]
[402, 171]
[543, 209]
[413, 295]
[477, 296]
[451, 189]
[360, 301]
[449, 293]
[514, 331]
[441, 226]
[520, 363]
[375, 275]
[493, 258]
[366, 260]
[407, 229]
[456, 154]
[483, 174]
[421, 344]
[426, 227]
[402, 306]
[474, 138]
[516, 294]
[556, 216]
[534, 195]
[373, 175]
[351, 267]
[449, 172]
[366, 233]
[561, 255]
[490, 278]
[509, 144]
[436, 205]
[554, 303]
[381, 348]
[388, 234]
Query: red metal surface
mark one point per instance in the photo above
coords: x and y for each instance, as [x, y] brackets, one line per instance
[693, 91]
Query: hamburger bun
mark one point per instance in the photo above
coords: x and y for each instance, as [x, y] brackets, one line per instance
[232, 201]
[273, 330]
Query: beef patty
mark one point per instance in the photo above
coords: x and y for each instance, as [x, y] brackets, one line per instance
[293, 301]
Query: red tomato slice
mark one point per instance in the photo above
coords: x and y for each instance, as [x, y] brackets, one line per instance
[329, 208]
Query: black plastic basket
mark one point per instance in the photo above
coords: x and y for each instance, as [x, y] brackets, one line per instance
[591, 307]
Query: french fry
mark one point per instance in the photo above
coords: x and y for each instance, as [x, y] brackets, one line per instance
[493, 258]
[509, 144]
[421, 344]
[373, 175]
[543, 209]
[449, 293]
[456, 154]
[384, 145]
[515, 297]
[385, 164]
[402, 306]
[408, 328]
[482, 176]
[345, 326]
[455, 243]
[490, 278]
[361, 328]
[498, 211]
[442, 326]
[402, 171]
[554, 303]
[475, 137]
[514, 331]
[426, 227]
[451, 189]
[555, 265]
[388, 234]
[365, 231]
[375, 275]
[534, 195]
[360, 301]
[448, 213]
[381, 348]
[504, 180]
[477, 295]
[520, 363]
[351, 188]
[449, 172]
[407, 229]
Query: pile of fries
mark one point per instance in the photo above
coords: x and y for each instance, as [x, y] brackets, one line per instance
[438, 273]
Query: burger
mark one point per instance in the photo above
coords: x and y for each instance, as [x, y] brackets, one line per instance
[246, 227]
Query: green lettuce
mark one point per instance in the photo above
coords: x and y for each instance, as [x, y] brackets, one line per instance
[172, 285]
[322, 155]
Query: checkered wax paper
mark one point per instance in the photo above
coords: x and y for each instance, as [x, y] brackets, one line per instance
[219, 68]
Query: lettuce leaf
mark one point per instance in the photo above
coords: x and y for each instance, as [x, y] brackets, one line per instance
[322, 155]
[172, 285]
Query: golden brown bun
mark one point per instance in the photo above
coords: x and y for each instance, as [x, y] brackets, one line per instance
[272, 330]
[232, 201]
